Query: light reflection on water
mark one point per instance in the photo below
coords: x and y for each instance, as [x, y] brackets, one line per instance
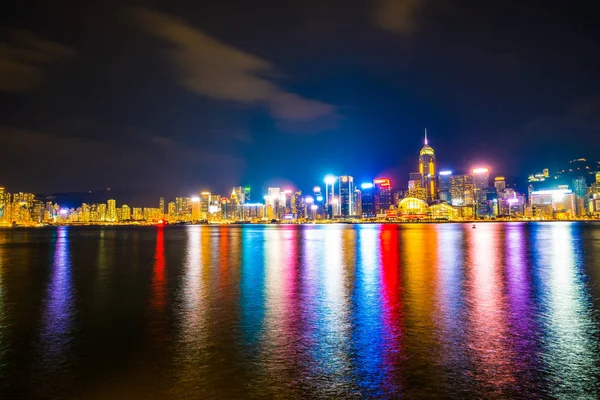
[504, 310]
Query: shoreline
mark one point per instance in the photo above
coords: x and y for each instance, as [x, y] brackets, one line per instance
[7, 227]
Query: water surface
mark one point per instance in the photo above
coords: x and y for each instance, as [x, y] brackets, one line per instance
[346, 311]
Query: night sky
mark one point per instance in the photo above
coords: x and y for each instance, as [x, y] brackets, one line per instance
[169, 98]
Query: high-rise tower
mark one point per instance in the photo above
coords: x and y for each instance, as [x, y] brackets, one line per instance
[427, 169]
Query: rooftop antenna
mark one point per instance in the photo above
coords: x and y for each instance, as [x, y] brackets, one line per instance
[426, 136]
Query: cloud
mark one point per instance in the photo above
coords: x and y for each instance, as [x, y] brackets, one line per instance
[213, 69]
[396, 16]
[23, 57]
[139, 158]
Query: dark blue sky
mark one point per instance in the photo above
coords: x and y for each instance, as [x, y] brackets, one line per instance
[173, 97]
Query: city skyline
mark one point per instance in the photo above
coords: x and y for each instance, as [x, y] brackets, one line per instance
[431, 193]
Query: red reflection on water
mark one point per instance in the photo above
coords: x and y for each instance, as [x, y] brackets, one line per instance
[491, 347]
[392, 308]
[224, 255]
[158, 275]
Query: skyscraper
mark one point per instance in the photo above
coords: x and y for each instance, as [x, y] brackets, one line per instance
[427, 169]
[481, 178]
[125, 212]
[382, 196]
[161, 206]
[461, 190]
[444, 180]
[3, 202]
[204, 204]
[112, 210]
[367, 200]
[499, 184]
[581, 198]
[346, 185]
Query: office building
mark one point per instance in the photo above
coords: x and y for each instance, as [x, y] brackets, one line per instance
[481, 178]
[499, 184]
[112, 210]
[346, 187]
[427, 170]
[461, 190]
[581, 196]
[444, 186]
[125, 212]
[367, 191]
[382, 195]
[553, 204]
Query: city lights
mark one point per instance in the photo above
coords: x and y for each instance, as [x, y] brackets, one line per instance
[330, 179]
[436, 195]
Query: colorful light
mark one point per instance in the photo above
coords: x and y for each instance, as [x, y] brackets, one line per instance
[383, 182]
[445, 173]
[329, 179]
[480, 170]
[366, 186]
[195, 199]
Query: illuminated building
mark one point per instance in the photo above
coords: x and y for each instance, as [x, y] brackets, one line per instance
[85, 213]
[367, 194]
[285, 205]
[550, 204]
[581, 197]
[3, 204]
[172, 210]
[196, 213]
[539, 176]
[416, 190]
[330, 196]
[183, 207]
[298, 205]
[138, 214]
[481, 178]
[461, 190]
[204, 203]
[273, 195]
[427, 170]
[511, 203]
[411, 207]
[499, 184]
[346, 187]
[101, 212]
[214, 208]
[247, 194]
[444, 183]
[21, 208]
[112, 210]
[254, 211]
[161, 206]
[125, 213]
[357, 202]
[319, 203]
[382, 195]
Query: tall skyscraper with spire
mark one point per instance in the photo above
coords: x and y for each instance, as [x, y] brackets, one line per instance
[427, 169]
